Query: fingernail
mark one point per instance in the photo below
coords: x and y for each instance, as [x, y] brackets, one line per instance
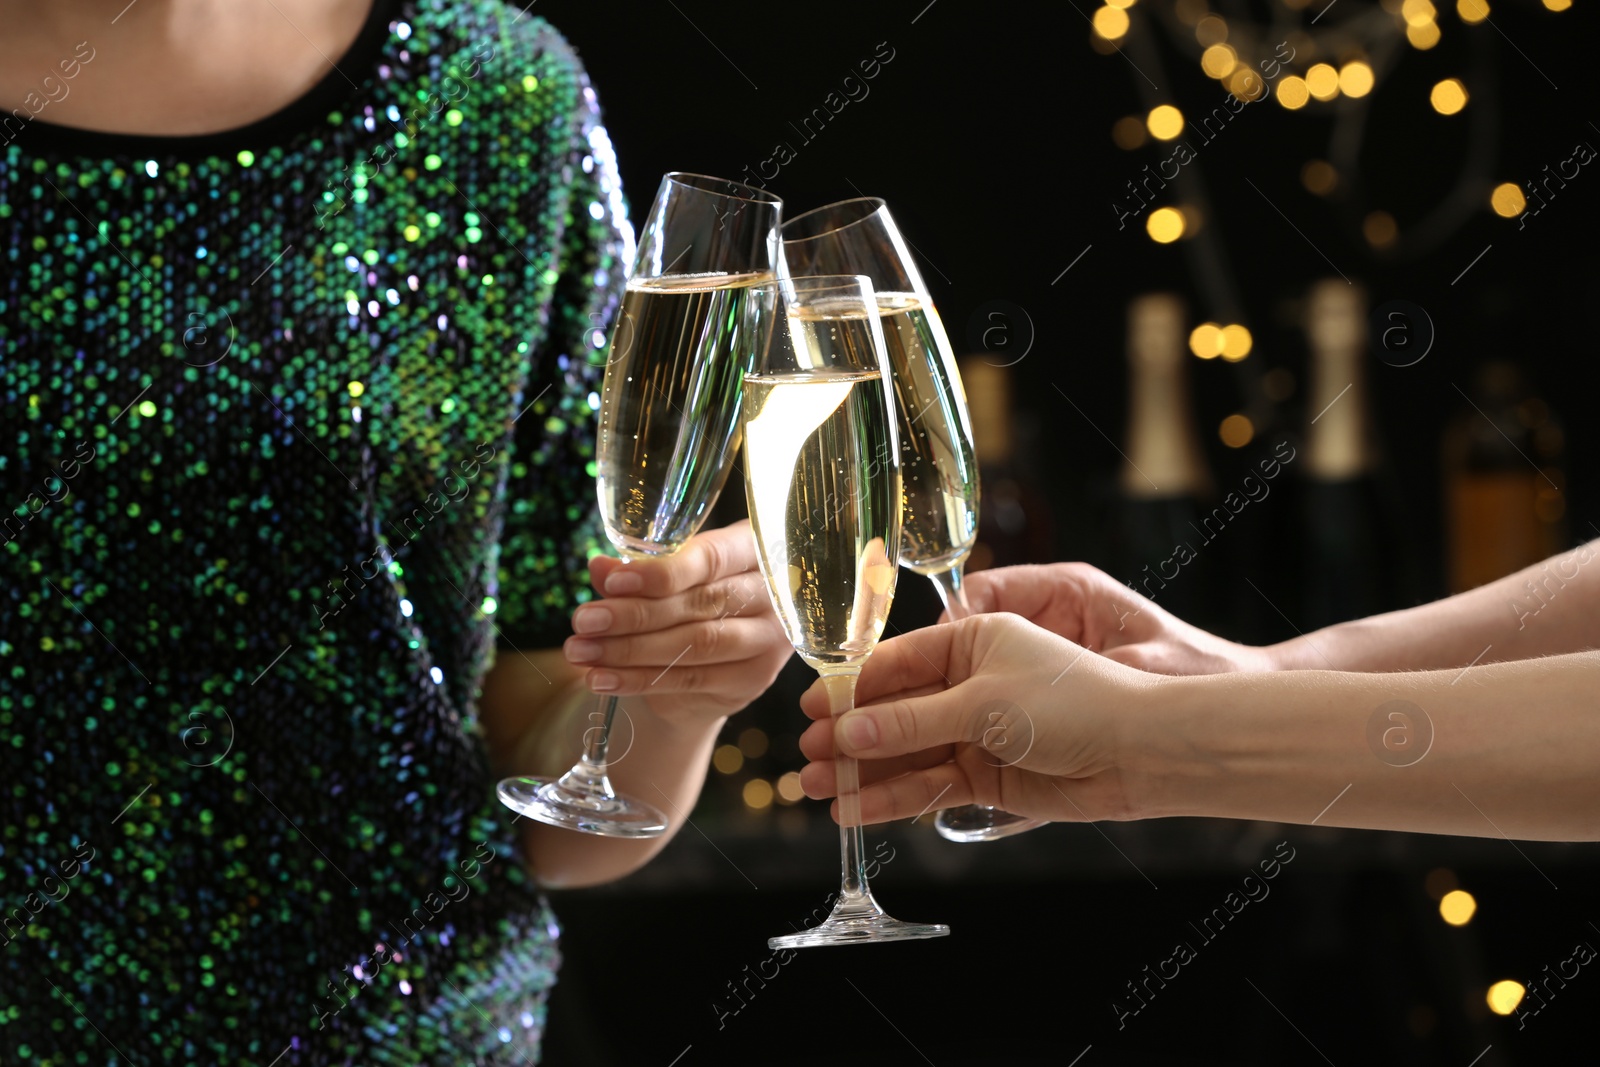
[859, 731]
[603, 681]
[623, 582]
[591, 620]
[580, 651]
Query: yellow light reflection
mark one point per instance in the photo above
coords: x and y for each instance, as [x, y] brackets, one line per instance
[1323, 81]
[1423, 37]
[1293, 93]
[1472, 12]
[1457, 907]
[1380, 229]
[1111, 23]
[1356, 78]
[1211, 30]
[727, 759]
[1507, 200]
[1236, 343]
[1165, 122]
[1236, 431]
[1128, 132]
[1557, 5]
[753, 743]
[1219, 60]
[1319, 177]
[1205, 340]
[1449, 96]
[1164, 225]
[758, 794]
[1504, 996]
[789, 791]
[1418, 12]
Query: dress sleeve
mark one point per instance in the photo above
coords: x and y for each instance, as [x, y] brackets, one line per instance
[552, 525]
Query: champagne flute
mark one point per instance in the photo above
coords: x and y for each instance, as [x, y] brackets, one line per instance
[937, 463]
[822, 477]
[669, 427]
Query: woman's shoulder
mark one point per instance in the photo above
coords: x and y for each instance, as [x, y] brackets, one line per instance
[496, 41]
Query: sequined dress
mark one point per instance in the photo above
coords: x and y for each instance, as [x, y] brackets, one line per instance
[294, 432]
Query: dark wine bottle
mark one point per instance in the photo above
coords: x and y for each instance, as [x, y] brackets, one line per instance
[1504, 502]
[1164, 479]
[1353, 540]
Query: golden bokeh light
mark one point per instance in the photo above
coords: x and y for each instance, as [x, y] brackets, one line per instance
[1323, 81]
[1211, 30]
[789, 791]
[1205, 340]
[1319, 177]
[1121, 3]
[758, 794]
[1165, 122]
[1236, 343]
[1245, 84]
[1448, 97]
[1190, 12]
[1507, 200]
[1457, 907]
[1423, 37]
[1472, 12]
[1219, 60]
[1292, 92]
[753, 743]
[1380, 229]
[1504, 996]
[1128, 132]
[1557, 5]
[1111, 23]
[727, 759]
[1236, 431]
[1418, 12]
[1164, 225]
[1356, 78]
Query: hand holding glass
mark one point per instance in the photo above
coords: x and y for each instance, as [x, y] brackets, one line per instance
[669, 427]
[822, 477]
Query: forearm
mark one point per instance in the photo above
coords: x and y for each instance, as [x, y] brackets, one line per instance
[1548, 609]
[1507, 749]
[661, 763]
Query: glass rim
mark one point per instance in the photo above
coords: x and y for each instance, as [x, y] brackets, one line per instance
[812, 283]
[877, 202]
[691, 180]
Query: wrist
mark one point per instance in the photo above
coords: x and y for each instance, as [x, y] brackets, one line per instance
[1176, 748]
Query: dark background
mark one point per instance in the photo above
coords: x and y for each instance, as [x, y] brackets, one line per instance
[989, 132]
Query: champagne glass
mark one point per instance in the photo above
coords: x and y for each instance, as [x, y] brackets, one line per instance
[822, 477]
[669, 427]
[937, 463]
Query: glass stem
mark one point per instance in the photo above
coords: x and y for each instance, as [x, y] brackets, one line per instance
[589, 776]
[952, 592]
[854, 894]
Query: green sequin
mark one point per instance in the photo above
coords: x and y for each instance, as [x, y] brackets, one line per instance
[240, 403]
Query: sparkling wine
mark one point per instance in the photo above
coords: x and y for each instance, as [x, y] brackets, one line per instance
[669, 409]
[937, 466]
[826, 509]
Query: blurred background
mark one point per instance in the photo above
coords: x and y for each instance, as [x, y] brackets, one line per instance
[1178, 246]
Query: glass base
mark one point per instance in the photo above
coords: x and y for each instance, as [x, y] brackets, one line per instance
[858, 922]
[588, 810]
[859, 931]
[973, 822]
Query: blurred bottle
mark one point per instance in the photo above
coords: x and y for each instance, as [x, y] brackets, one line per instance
[1504, 501]
[1351, 567]
[1164, 476]
[1015, 524]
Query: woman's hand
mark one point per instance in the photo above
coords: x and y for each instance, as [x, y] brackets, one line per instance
[1089, 607]
[694, 633]
[990, 710]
